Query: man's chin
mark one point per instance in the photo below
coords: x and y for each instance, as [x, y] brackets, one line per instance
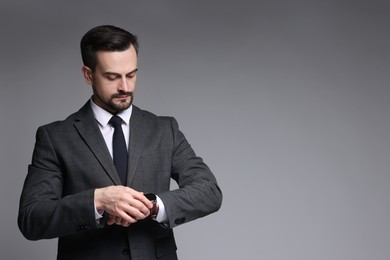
[121, 106]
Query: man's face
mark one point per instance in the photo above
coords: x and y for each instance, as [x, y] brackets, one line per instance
[113, 81]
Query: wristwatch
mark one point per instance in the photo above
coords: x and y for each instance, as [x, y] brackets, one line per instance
[153, 211]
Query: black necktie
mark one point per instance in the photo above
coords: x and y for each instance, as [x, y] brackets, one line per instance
[119, 148]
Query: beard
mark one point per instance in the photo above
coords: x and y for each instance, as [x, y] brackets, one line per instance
[123, 104]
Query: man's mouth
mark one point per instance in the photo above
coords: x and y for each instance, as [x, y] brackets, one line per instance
[122, 96]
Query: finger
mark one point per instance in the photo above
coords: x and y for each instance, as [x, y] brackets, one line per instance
[129, 213]
[122, 222]
[125, 223]
[141, 198]
[110, 220]
[126, 201]
[136, 213]
[146, 202]
[120, 219]
[140, 207]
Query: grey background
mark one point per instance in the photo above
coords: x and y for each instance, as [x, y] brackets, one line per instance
[287, 101]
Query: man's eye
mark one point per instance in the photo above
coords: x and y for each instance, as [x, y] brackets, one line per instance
[112, 77]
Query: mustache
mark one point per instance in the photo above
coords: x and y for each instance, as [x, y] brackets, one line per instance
[121, 94]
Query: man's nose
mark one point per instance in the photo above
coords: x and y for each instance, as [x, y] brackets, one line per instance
[123, 85]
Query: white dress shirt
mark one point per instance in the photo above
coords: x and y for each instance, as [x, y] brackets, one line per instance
[102, 117]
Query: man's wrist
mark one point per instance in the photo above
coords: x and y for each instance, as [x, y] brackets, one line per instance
[98, 202]
[98, 211]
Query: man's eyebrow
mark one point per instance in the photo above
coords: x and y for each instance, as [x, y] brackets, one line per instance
[133, 71]
[118, 74]
[108, 73]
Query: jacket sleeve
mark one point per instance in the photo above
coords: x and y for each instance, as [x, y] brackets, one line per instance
[43, 210]
[198, 194]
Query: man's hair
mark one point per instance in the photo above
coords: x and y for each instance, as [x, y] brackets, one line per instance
[105, 38]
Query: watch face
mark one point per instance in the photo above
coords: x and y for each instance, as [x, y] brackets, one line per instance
[151, 197]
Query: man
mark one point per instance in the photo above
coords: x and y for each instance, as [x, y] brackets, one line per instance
[99, 180]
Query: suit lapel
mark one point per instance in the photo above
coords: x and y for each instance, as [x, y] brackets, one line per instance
[88, 129]
[138, 133]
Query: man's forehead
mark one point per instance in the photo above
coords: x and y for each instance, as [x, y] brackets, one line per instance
[116, 55]
[117, 61]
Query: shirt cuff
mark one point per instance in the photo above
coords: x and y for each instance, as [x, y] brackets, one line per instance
[98, 215]
[162, 214]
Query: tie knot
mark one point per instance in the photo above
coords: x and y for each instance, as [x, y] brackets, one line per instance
[115, 121]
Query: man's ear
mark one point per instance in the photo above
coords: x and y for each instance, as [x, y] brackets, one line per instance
[87, 73]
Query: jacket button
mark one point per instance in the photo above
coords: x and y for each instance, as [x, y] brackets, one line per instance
[83, 227]
[179, 221]
[126, 251]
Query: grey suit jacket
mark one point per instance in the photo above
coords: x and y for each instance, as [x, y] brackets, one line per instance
[70, 160]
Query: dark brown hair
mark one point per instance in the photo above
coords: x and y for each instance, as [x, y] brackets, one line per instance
[105, 38]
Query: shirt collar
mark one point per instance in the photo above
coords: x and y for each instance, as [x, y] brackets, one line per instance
[103, 116]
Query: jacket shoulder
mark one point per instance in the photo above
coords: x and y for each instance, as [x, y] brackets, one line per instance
[151, 116]
[82, 113]
[67, 122]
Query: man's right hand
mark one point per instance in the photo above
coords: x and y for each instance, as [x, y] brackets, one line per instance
[123, 204]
